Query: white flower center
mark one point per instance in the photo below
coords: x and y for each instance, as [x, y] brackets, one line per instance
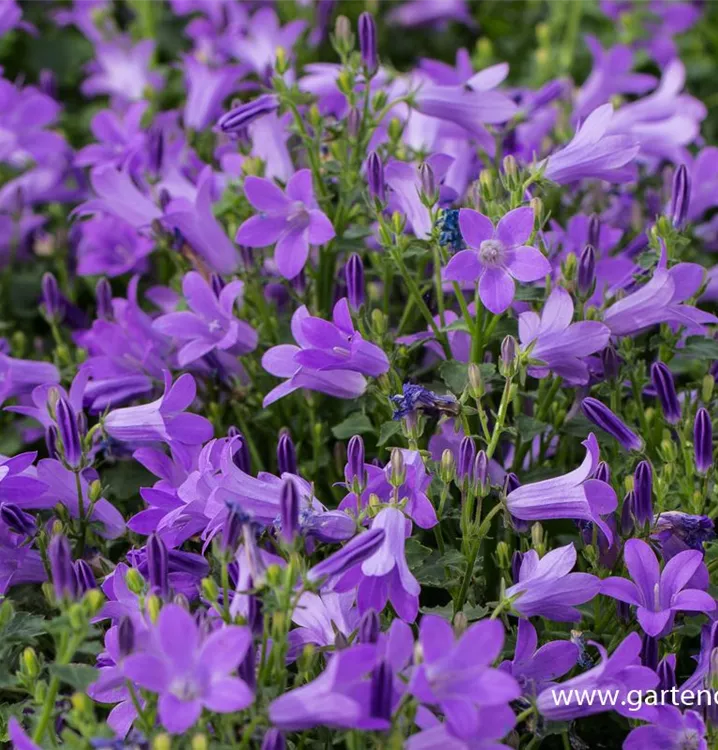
[185, 688]
[491, 252]
[298, 215]
[689, 740]
[215, 326]
[656, 598]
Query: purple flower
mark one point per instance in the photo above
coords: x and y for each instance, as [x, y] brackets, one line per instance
[161, 420]
[121, 70]
[190, 674]
[211, 324]
[661, 300]
[243, 115]
[331, 358]
[658, 595]
[665, 387]
[119, 139]
[19, 562]
[108, 245]
[557, 345]
[361, 547]
[207, 88]
[604, 418]
[322, 619]
[536, 669]
[692, 531]
[703, 440]
[198, 226]
[671, 730]
[456, 676]
[385, 576]
[18, 737]
[574, 495]
[291, 219]
[497, 255]
[19, 376]
[621, 672]
[431, 12]
[546, 586]
[593, 153]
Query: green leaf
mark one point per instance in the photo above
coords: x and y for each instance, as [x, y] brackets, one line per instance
[529, 427]
[77, 676]
[529, 293]
[456, 374]
[388, 430]
[700, 347]
[447, 612]
[355, 424]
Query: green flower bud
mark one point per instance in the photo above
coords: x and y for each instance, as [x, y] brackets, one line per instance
[707, 388]
[447, 468]
[135, 582]
[30, 663]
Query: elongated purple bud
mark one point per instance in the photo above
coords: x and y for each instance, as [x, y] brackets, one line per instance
[628, 513]
[103, 297]
[69, 433]
[666, 672]
[375, 177]
[273, 740]
[481, 470]
[603, 472]
[662, 379]
[369, 627]
[47, 83]
[516, 560]
[548, 93]
[427, 180]
[604, 418]
[126, 636]
[649, 652]
[52, 300]
[61, 569]
[467, 456]
[217, 284]
[703, 440]
[155, 149]
[354, 470]
[247, 669]
[609, 360]
[51, 442]
[381, 691]
[17, 520]
[231, 530]
[357, 550]
[643, 487]
[286, 454]
[240, 457]
[241, 116]
[85, 577]
[158, 566]
[623, 612]
[255, 614]
[587, 270]
[289, 510]
[593, 235]
[680, 196]
[353, 122]
[354, 275]
[367, 42]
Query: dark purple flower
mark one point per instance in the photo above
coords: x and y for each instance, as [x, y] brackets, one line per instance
[354, 552]
[69, 433]
[354, 275]
[158, 566]
[289, 510]
[587, 270]
[691, 530]
[643, 489]
[61, 569]
[17, 520]
[665, 388]
[367, 42]
[680, 197]
[604, 418]
[703, 440]
[415, 398]
[375, 177]
[286, 455]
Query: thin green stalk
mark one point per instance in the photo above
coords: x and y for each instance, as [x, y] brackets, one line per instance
[500, 419]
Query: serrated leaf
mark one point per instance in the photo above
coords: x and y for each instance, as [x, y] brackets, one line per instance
[77, 676]
[700, 347]
[387, 431]
[456, 374]
[447, 612]
[355, 424]
[529, 427]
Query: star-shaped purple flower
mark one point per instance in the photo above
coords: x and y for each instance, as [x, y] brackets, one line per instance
[497, 255]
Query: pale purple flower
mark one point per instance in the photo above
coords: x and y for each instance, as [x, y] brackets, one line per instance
[291, 219]
[457, 676]
[19, 562]
[658, 595]
[210, 323]
[119, 138]
[11, 18]
[497, 255]
[574, 495]
[546, 586]
[207, 88]
[189, 673]
[536, 668]
[122, 70]
[621, 672]
[20, 376]
[593, 152]
[556, 344]
[20, 740]
[162, 420]
[431, 12]
[671, 730]
[322, 619]
[109, 246]
[331, 358]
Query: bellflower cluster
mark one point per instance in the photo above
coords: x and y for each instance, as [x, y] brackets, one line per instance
[358, 387]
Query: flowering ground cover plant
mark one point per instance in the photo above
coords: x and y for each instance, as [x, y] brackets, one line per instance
[357, 371]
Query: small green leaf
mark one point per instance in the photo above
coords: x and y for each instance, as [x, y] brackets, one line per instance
[529, 427]
[77, 676]
[355, 424]
[447, 612]
[700, 347]
[388, 430]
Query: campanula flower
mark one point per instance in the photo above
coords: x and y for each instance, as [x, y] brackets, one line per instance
[672, 730]
[496, 256]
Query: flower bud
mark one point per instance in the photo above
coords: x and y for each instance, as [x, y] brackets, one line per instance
[367, 43]
[476, 382]
[245, 114]
[103, 298]
[460, 623]
[707, 388]
[467, 456]
[703, 441]
[155, 149]
[381, 691]
[398, 469]
[134, 581]
[69, 433]
[273, 740]
[247, 669]
[354, 472]
[61, 570]
[428, 184]
[603, 472]
[649, 652]
[516, 560]
[628, 513]
[30, 663]
[125, 636]
[586, 279]
[665, 387]
[609, 360]
[17, 520]
[643, 482]
[604, 418]
[680, 196]
[354, 275]
[286, 455]
[240, 456]
[375, 177]
[509, 361]
[593, 236]
[343, 36]
[158, 566]
[84, 577]
[51, 439]
[481, 472]
[52, 300]
[369, 627]
[289, 510]
[667, 672]
[447, 467]
[231, 530]
[199, 742]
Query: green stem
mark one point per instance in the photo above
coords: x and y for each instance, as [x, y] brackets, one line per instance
[80, 549]
[500, 419]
